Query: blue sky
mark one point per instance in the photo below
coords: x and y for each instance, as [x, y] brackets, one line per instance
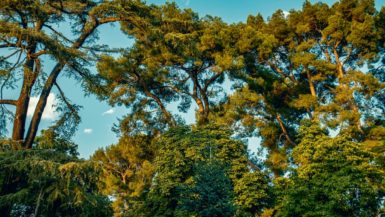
[98, 117]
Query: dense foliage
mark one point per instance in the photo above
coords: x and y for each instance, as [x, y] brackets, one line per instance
[309, 84]
[49, 182]
[335, 177]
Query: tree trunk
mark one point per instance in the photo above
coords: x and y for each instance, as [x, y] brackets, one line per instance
[34, 126]
[311, 84]
[23, 102]
[207, 107]
[202, 117]
[340, 69]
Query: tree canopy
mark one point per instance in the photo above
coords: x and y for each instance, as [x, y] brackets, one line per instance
[309, 84]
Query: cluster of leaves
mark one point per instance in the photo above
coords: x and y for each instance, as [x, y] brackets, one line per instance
[50, 181]
[127, 171]
[201, 171]
[335, 177]
[177, 58]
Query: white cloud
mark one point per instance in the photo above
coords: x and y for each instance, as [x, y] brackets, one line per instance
[285, 13]
[49, 110]
[108, 112]
[87, 130]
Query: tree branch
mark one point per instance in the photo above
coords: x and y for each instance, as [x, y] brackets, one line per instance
[37, 54]
[279, 71]
[7, 45]
[58, 33]
[283, 128]
[211, 80]
[8, 101]
[69, 105]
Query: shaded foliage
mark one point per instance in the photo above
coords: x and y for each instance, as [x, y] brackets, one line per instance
[47, 182]
[183, 154]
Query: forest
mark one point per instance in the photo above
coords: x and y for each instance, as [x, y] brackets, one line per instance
[309, 83]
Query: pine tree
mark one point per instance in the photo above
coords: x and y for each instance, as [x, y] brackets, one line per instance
[30, 32]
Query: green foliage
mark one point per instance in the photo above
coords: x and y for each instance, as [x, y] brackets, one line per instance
[335, 177]
[183, 155]
[141, 89]
[49, 182]
[309, 64]
[293, 73]
[210, 195]
[177, 58]
[253, 192]
[127, 171]
[31, 31]
[49, 140]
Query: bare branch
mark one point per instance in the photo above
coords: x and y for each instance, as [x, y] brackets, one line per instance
[10, 55]
[211, 80]
[279, 71]
[8, 101]
[39, 53]
[58, 33]
[69, 105]
[6, 45]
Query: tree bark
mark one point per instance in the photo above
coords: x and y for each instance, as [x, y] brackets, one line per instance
[34, 126]
[23, 101]
[206, 106]
[8, 102]
[202, 117]
[31, 71]
[340, 69]
[311, 84]
[283, 128]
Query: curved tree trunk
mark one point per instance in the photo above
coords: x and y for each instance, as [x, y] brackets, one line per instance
[34, 126]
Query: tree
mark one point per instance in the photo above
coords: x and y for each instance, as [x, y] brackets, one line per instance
[127, 171]
[254, 194]
[210, 195]
[309, 83]
[30, 33]
[49, 180]
[183, 154]
[141, 89]
[309, 65]
[335, 177]
[177, 57]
